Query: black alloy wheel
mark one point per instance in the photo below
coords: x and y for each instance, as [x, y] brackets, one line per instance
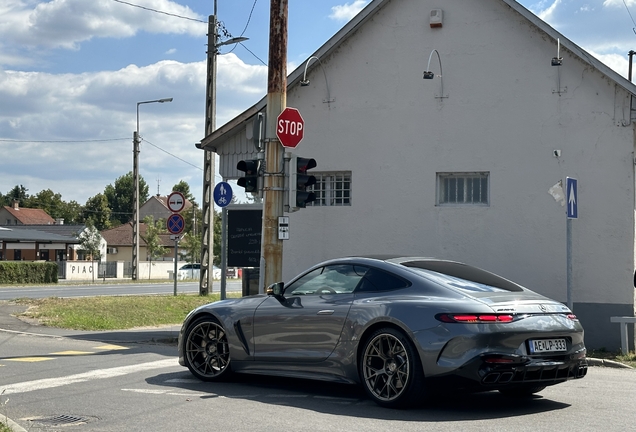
[206, 349]
[390, 369]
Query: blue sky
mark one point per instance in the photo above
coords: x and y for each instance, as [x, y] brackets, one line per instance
[72, 71]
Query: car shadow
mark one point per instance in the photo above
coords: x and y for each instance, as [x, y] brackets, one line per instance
[351, 400]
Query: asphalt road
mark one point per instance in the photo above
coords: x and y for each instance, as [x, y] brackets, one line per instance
[100, 288]
[86, 385]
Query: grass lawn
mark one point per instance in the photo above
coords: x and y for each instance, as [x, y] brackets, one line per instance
[112, 312]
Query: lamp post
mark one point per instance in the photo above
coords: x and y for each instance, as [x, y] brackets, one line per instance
[135, 248]
[207, 206]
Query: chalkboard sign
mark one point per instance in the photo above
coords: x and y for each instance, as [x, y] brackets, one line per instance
[244, 238]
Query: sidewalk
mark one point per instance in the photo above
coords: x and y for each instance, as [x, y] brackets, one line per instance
[11, 324]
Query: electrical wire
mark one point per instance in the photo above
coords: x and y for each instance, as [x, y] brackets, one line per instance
[630, 15]
[161, 12]
[174, 156]
[64, 141]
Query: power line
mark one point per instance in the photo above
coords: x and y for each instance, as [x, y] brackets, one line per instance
[630, 15]
[174, 156]
[161, 12]
[64, 141]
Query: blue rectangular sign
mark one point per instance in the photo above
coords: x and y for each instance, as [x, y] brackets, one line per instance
[571, 198]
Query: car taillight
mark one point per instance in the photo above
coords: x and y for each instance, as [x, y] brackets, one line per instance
[572, 317]
[475, 318]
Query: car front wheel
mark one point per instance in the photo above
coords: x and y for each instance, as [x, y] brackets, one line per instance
[390, 369]
[206, 350]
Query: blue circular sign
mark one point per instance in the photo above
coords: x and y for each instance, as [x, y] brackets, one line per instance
[175, 223]
[222, 194]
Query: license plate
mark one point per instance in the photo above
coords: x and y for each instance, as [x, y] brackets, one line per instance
[547, 345]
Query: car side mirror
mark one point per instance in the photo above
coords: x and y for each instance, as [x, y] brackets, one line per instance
[275, 289]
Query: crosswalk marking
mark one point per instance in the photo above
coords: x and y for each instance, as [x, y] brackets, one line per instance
[47, 383]
[111, 347]
[30, 359]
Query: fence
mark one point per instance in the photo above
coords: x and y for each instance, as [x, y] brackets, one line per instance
[107, 269]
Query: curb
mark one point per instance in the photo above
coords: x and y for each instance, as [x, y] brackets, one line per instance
[607, 363]
[13, 425]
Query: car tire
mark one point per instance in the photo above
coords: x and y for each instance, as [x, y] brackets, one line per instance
[390, 369]
[521, 391]
[206, 350]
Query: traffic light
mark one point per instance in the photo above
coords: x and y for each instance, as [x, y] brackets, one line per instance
[251, 169]
[299, 180]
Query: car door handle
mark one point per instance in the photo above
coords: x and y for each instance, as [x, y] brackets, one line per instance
[326, 312]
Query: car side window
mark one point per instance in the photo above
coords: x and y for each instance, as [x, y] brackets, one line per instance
[334, 279]
[379, 280]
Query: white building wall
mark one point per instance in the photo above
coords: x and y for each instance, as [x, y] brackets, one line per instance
[501, 116]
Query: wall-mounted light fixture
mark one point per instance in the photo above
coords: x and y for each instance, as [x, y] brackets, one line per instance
[558, 60]
[305, 82]
[428, 74]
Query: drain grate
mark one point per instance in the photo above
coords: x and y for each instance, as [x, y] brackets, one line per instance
[61, 420]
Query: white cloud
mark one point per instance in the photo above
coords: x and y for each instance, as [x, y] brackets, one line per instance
[619, 3]
[547, 13]
[348, 10]
[94, 106]
[66, 23]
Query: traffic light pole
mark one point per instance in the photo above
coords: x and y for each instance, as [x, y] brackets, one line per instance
[274, 175]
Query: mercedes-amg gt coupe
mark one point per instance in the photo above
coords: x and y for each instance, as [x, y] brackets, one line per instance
[399, 326]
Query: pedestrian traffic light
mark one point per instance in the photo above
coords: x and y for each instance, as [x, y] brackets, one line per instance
[250, 168]
[299, 181]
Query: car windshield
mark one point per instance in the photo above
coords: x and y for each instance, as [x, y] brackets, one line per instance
[462, 276]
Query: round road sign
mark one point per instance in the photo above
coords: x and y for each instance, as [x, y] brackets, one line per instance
[222, 194]
[176, 202]
[290, 127]
[175, 223]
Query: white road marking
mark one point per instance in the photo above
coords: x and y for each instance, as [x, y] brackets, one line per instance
[87, 376]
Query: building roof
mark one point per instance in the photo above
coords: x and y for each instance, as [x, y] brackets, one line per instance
[123, 236]
[163, 200]
[30, 216]
[72, 231]
[27, 235]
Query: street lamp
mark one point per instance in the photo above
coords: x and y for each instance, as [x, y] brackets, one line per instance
[135, 248]
[207, 206]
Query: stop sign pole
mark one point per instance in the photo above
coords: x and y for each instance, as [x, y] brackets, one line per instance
[271, 265]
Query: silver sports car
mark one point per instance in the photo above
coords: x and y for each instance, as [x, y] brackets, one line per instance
[400, 326]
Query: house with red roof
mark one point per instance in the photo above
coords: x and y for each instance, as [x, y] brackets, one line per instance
[14, 215]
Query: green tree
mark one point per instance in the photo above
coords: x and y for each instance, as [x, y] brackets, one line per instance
[184, 188]
[53, 204]
[154, 246]
[192, 246]
[97, 212]
[90, 241]
[19, 193]
[217, 238]
[120, 197]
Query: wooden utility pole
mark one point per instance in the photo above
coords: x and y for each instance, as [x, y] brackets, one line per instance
[274, 175]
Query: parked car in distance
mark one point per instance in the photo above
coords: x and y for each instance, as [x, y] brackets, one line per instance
[402, 327]
[193, 271]
[189, 271]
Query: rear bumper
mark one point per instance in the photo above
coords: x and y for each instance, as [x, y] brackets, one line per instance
[484, 373]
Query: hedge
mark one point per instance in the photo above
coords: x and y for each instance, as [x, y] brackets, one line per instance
[21, 272]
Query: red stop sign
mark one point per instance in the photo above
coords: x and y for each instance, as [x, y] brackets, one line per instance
[290, 127]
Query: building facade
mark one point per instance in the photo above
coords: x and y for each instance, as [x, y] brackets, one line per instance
[465, 165]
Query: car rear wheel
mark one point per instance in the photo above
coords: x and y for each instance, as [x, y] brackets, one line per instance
[206, 349]
[390, 369]
[521, 391]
